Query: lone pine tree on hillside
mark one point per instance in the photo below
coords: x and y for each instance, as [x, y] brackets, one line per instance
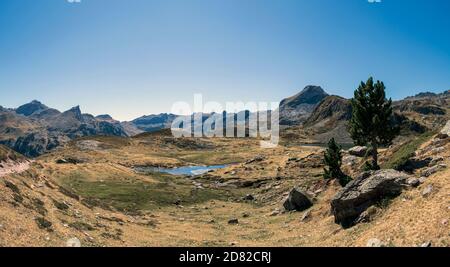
[371, 123]
[333, 159]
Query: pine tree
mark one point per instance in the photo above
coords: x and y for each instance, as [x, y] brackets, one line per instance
[333, 159]
[371, 124]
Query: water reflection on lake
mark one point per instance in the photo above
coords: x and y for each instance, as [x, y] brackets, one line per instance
[185, 171]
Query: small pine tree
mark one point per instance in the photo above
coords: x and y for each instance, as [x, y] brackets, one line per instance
[371, 124]
[333, 159]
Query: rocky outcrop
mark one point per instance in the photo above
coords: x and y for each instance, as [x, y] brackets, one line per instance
[365, 191]
[358, 151]
[331, 108]
[34, 129]
[297, 201]
[445, 132]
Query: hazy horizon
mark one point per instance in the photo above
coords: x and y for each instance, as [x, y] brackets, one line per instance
[129, 59]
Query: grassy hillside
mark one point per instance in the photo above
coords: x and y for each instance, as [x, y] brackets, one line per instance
[90, 191]
[6, 153]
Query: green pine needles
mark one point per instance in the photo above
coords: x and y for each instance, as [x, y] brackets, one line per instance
[333, 160]
[371, 124]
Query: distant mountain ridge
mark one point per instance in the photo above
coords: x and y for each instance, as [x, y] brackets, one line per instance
[34, 128]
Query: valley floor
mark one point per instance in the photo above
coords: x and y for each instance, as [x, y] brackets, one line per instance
[89, 191]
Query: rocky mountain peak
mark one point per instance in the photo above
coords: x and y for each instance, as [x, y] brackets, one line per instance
[75, 111]
[105, 117]
[311, 95]
[30, 108]
[296, 109]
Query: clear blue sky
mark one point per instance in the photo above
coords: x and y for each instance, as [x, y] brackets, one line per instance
[134, 57]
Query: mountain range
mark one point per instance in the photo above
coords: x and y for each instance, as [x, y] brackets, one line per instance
[33, 129]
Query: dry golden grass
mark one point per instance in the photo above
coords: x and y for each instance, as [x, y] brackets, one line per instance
[202, 217]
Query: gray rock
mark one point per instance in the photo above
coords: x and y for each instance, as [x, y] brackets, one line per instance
[432, 170]
[422, 179]
[445, 132]
[427, 191]
[358, 151]
[365, 191]
[368, 215]
[248, 197]
[275, 213]
[426, 244]
[436, 160]
[233, 221]
[413, 182]
[306, 216]
[350, 160]
[374, 243]
[255, 159]
[73, 242]
[297, 201]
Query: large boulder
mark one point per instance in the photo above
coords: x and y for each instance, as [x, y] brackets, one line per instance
[358, 151]
[445, 132]
[365, 191]
[297, 201]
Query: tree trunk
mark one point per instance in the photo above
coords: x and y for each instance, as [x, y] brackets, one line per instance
[375, 156]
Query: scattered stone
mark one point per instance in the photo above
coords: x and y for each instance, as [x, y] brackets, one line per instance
[82, 226]
[350, 160]
[436, 160]
[69, 161]
[43, 223]
[358, 151]
[297, 201]
[427, 191]
[422, 179]
[415, 163]
[413, 182]
[275, 212]
[445, 132]
[2, 227]
[365, 191]
[426, 244]
[233, 221]
[432, 170]
[306, 216]
[60, 205]
[256, 159]
[73, 243]
[248, 197]
[375, 243]
[443, 222]
[245, 215]
[368, 215]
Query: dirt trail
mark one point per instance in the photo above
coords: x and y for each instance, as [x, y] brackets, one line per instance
[9, 167]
